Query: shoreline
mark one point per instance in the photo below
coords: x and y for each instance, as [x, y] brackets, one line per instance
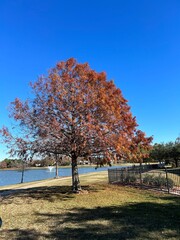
[69, 166]
[14, 188]
[60, 177]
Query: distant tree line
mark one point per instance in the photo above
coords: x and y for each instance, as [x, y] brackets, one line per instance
[48, 161]
[11, 163]
[167, 152]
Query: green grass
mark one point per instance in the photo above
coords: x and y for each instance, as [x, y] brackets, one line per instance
[49, 210]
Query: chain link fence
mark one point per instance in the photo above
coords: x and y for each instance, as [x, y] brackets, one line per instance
[167, 180]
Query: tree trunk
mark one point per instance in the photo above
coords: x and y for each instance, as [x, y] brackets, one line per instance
[22, 176]
[57, 175]
[75, 175]
[176, 162]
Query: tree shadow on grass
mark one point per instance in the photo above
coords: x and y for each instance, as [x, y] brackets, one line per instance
[49, 193]
[175, 200]
[133, 221]
[144, 220]
[17, 234]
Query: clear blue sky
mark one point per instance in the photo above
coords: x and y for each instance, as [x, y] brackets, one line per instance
[137, 43]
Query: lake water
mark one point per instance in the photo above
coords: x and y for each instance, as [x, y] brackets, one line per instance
[8, 177]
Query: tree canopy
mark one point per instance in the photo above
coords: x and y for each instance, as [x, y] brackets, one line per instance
[77, 112]
[168, 152]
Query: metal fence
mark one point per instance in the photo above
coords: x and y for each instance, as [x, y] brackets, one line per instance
[167, 180]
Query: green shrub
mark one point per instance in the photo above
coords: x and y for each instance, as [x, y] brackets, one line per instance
[130, 179]
[170, 183]
[148, 179]
[158, 181]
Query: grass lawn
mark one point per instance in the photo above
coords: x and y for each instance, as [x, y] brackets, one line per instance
[48, 210]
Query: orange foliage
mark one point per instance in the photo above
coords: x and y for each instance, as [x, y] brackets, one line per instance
[75, 104]
[79, 113]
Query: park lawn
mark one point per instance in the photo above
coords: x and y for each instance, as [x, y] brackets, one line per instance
[48, 210]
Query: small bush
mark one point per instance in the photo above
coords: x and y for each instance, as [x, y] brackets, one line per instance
[130, 179]
[158, 181]
[148, 179]
[170, 183]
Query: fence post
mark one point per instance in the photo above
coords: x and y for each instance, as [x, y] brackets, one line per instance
[116, 174]
[167, 180]
[108, 175]
[140, 173]
[122, 176]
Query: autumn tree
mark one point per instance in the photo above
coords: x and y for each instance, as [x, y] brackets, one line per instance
[18, 147]
[79, 113]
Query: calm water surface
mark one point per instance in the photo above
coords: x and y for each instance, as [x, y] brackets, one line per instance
[8, 177]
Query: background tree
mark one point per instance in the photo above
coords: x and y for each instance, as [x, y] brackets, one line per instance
[167, 152]
[18, 147]
[159, 152]
[11, 163]
[80, 113]
[3, 164]
[49, 151]
[175, 155]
